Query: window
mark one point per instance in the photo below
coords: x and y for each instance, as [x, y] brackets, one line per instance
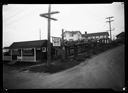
[7, 52]
[101, 36]
[71, 34]
[79, 35]
[37, 48]
[97, 36]
[28, 52]
[70, 39]
[64, 35]
[43, 49]
[93, 37]
[16, 52]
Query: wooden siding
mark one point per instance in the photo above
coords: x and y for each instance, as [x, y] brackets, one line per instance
[28, 58]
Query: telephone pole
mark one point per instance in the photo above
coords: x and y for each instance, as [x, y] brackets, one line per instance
[40, 33]
[109, 18]
[48, 16]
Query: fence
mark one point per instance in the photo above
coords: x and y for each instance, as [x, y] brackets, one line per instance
[77, 48]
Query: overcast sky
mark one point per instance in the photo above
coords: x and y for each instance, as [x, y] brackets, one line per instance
[21, 22]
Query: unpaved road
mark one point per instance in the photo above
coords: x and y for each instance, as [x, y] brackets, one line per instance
[105, 70]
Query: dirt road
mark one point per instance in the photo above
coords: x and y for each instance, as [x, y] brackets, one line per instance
[105, 70]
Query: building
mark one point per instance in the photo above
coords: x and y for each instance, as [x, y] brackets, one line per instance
[72, 35]
[99, 36]
[30, 51]
[121, 37]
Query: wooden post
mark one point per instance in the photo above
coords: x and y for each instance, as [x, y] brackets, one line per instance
[34, 54]
[65, 51]
[21, 55]
[62, 46]
[48, 43]
[11, 54]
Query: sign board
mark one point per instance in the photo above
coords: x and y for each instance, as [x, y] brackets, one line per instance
[43, 49]
[56, 41]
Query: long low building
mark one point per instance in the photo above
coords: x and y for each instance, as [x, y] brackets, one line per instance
[30, 51]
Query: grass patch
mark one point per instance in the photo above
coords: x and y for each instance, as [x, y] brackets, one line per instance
[19, 65]
[57, 66]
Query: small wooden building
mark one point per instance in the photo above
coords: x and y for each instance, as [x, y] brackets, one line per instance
[30, 51]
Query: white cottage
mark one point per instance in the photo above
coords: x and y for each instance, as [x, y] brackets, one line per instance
[72, 35]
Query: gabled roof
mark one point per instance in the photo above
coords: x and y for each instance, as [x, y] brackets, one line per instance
[6, 48]
[97, 34]
[72, 32]
[122, 34]
[29, 44]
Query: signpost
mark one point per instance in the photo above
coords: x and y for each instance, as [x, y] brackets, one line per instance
[48, 16]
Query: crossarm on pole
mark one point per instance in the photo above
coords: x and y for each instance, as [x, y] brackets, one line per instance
[50, 13]
[48, 17]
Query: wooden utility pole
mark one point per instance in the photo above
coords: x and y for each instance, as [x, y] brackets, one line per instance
[49, 41]
[62, 45]
[62, 37]
[40, 33]
[110, 25]
[48, 15]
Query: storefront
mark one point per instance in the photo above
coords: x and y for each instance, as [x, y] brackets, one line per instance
[30, 51]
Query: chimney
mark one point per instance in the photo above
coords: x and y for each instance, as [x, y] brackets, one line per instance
[85, 33]
[62, 33]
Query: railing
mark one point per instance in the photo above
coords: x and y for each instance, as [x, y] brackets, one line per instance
[7, 58]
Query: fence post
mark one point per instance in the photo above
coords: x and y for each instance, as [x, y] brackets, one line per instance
[65, 51]
[75, 51]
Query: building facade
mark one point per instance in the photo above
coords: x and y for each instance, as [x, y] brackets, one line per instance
[30, 51]
[99, 37]
[72, 35]
[121, 37]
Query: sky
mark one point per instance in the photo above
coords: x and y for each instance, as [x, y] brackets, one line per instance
[21, 22]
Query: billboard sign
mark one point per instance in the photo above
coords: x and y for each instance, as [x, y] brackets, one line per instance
[56, 41]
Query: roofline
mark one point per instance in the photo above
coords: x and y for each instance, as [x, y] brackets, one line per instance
[97, 32]
[120, 34]
[72, 31]
[29, 41]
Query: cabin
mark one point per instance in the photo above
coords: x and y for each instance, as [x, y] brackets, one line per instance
[30, 51]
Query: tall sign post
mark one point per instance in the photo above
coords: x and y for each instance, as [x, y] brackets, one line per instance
[48, 15]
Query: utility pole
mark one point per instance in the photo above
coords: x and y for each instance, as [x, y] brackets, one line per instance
[62, 45]
[40, 33]
[49, 41]
[48, 15]
[109, 18]
[62, 37]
